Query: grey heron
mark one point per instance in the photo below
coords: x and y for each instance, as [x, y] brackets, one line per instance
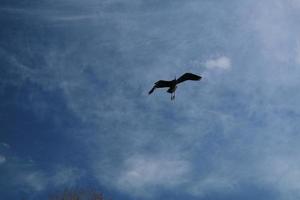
[172, 85]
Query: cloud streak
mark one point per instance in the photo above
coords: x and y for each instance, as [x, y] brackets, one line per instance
[2, 159]
[142, 174]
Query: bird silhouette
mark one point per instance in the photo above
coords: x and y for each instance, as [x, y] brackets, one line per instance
[172, 85]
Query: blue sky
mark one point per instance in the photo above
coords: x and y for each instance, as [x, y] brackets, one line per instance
[74, 108]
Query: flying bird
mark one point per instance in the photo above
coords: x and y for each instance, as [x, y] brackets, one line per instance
[172, 85]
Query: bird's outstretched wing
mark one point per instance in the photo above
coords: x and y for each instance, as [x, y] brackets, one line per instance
[152, 90]
[188, 76]
[160, 84]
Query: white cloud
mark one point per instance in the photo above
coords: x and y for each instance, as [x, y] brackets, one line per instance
[38, 180]
[31, 179]
[35, 180]
[222, 62]
[2, 159]
[212, 183]
[274, 30]
[142, 173]
[49, 14]
[297, 52]
[282, 172]
[66, 176]
[5, 145]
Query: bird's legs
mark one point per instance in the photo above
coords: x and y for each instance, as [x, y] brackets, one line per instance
[173, 96]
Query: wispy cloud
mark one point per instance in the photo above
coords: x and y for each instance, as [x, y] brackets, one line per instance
[55, 15]
[34, 180]
[3, 144]
[141, 174]
[212, 183]
[29, 177]
[39, 180]
[66, 176]
[297, 53]
[2, 159]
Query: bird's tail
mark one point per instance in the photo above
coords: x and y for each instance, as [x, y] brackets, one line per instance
[150, 92]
